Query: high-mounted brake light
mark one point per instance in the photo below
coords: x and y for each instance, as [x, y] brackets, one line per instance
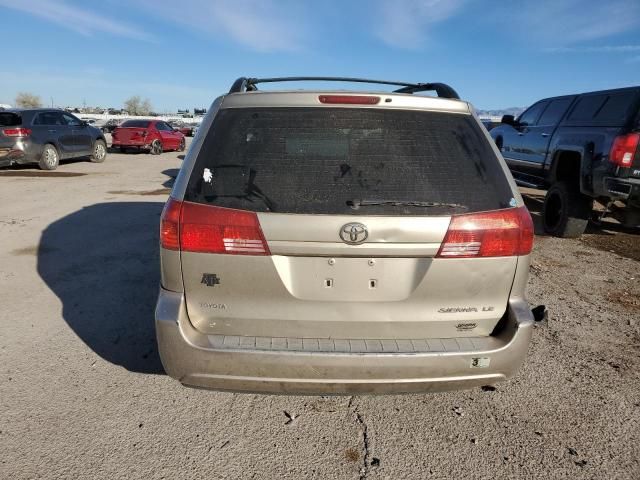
[350, 99]
[17, 132]
[624, 149]
[500, 233]
[209, 229]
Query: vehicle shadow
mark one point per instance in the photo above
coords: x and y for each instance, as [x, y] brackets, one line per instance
[172, 173]
[102, 262]
[607, 226]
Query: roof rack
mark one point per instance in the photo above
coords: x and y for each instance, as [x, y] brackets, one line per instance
[244, 84]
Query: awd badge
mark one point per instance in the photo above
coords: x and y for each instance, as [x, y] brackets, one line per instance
[210, 279]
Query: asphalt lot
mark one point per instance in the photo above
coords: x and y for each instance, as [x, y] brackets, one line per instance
[83, 393]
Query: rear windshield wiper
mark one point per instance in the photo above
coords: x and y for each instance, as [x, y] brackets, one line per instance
[356, 204]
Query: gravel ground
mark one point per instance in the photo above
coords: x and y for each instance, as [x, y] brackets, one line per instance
[83, 394]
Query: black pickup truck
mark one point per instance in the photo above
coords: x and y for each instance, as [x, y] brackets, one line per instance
[580, 148]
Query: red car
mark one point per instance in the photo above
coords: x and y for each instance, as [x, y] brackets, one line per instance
[154, 135]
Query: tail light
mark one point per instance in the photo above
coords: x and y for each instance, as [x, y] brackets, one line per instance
[350, 99]
[624, 149]
[170, 225]
[191, 227]
[501, 233]
[17, 132]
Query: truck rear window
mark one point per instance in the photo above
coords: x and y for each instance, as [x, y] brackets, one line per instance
[135, 124]
[319, 160]
[10, 119]
[610, 109]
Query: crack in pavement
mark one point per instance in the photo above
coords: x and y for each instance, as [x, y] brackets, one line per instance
[364, 470]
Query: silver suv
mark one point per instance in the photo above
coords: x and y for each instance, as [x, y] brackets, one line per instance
[323, 242]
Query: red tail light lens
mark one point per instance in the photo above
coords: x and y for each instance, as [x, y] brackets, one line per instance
[209, 229]
[349, 99]
[624, 149]
[170, 225]
[501, 233]
[17, 132]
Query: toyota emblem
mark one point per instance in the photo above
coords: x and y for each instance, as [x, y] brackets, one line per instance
[354, 233]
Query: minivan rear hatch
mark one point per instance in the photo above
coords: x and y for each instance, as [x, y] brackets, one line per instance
[326, 222]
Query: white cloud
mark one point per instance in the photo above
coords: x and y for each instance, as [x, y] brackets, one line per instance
[76, 18]
[595, 49]
[567, 22]
[405, 23]
[261, 25]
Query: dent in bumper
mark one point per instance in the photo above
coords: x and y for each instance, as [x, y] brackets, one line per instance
[188, 356]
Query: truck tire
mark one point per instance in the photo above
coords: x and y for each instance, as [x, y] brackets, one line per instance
[566, 211]
[49, 160]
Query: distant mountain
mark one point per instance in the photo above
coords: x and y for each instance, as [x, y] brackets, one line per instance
[515, 111]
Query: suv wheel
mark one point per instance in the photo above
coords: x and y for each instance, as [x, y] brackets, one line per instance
[50, 158]
[566, 211]
[156, 147]
[99, 151]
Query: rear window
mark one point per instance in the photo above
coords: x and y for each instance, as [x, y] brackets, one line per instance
[10, 119]
[135, 124]
[610, 109]
[616, 109]
[319, 160]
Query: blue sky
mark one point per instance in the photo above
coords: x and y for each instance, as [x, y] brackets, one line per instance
[183, 53]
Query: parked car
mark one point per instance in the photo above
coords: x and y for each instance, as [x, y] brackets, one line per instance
[341, 243]
[186, 129]
[580, 148]
[46, 136]
[489, 124]
[153, 135]
[110, 125]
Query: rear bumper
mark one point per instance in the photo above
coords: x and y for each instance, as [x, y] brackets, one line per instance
[18, 154]
[624, 189]
[117, 143]
[191, 358]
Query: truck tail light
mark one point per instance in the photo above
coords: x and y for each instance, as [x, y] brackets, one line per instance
[17, 132]
[500, 233]
[192, 227]
[624, 149]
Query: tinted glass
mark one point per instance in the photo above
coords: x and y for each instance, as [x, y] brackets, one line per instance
[136, 124]
[316, 160]
[71, 120]
[554, 111]
[9, 119]
[587, 107]
[531, 115]
[49, 118]
[616, 109]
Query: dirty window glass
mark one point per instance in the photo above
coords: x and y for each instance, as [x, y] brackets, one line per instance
[316, 160]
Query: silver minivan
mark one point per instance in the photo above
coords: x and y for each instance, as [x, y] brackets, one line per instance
[341, 242]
